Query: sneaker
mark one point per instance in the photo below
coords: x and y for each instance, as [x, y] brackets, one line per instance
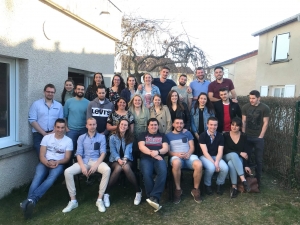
[106, 200]
[196, 194]
[23, 204]
[208, 190]
[138, 198]
[100, 205]
[220, 189]
[71, 205]
[233, 193]
[246, 186]
[29, 209]
[177, 196]
[153, 202]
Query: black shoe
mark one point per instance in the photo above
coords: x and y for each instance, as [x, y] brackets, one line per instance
[220, 189]
[29, 209]
[246, 186]
[208, 190]
[233, 193]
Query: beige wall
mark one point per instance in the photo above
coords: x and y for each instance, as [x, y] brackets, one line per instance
[280, 73]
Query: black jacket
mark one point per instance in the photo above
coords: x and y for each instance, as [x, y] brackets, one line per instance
[235, 111]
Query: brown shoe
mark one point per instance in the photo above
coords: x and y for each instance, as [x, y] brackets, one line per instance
[196, 194]
[177, 195]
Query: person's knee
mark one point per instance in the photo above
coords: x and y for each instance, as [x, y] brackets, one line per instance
[197, 165]
[176, 164]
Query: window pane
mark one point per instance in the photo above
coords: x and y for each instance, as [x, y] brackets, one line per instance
[4, 100]
[282, 46]
[277, 92]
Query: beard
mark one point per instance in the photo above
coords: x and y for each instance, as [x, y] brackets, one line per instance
[80, 94]
[182, 84]
[178, 130]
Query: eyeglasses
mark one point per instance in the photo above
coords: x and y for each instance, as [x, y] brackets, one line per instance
[50, 92]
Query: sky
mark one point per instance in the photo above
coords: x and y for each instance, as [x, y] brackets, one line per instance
[222, 29]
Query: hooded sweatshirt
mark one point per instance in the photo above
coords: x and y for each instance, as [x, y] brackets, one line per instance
[100, 112]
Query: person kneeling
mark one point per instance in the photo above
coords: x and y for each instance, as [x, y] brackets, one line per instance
[181, 149]
[91, 151]
[55, 151]
[121, 160]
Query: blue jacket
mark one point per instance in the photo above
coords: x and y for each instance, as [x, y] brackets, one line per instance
[155, 90]
[115, 144]
[195, 119]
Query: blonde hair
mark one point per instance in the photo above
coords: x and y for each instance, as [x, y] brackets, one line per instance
[131, 105]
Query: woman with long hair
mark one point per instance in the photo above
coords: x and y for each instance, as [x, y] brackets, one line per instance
[131, 87]
[90, 93]
[117, 85]
[121, 159]
[68, 91]
[202, 110]
[162, 114]
[148, 90]
[178, 109]
[121, 112]
[235, 155]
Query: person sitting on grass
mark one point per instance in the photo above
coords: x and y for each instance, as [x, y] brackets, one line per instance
[121, 159]
[236, 156]
[91, 151]
[55, 151]
[153, 145]
[181, 152]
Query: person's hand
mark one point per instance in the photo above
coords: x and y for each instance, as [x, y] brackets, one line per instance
[121, 162]
[84, 171]
[158, 157]
[248, 170]
[184, 130]
[140, 87]
[197, 136]
[153, 154]
[217, 166]
[234, 100]
[93, 169]
[244, 155]
[189, 90]
[187, 155]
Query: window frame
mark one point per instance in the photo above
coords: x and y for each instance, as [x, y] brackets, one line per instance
[279, 47]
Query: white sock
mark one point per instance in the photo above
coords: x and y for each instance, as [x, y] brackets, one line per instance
[74, 201]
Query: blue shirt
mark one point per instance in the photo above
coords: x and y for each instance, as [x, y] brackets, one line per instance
[91, 147]
[179, 142]
[75, 112]
[43, 115]
[198, 87]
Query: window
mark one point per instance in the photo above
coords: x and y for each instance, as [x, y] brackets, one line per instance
[8, 106]
[226, 73]
[279, 92]
[280, 47]
[283, 91]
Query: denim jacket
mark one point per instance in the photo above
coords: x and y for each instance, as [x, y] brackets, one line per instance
[195, 119]
[115, 144]
[154, 90]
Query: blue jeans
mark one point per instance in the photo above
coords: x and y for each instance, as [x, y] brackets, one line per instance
[37, 139]
[210, 169]
[258, 145]
[235, 164]
[43, 179]
[148, 167]
[74, 134]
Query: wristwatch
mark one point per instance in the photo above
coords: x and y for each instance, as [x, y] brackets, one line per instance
[158, 152]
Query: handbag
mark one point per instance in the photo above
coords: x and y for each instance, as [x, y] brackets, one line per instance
[252, 183]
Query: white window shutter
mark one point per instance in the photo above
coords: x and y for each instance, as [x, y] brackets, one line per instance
[289, 91]
[264, 91]
[282, 46]
[274, 48]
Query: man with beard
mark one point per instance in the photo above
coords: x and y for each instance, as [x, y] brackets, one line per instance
[226, 110]
[220, 82]
[164, 84]
[75, 114]
[199, 85]
[181, 152]
[42, 115]
[181, 89]
[100, 108]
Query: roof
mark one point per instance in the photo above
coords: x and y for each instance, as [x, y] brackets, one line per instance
[236, 59]
[278, 24]
[185, 70]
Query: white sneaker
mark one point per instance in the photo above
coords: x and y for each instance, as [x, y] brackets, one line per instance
[106, 200]
[138, 198]
[71, 205]
[100, 205]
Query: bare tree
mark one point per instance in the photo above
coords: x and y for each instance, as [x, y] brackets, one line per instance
[147, 42]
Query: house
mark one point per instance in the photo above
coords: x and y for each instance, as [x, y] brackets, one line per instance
[278, 58]
[46, 41]
[241, 70]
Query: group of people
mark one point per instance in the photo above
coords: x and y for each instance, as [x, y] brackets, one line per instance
[198, 126]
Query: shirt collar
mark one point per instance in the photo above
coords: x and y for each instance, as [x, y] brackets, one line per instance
[209, 133]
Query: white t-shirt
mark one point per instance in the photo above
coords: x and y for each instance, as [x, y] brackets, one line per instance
[56, 148]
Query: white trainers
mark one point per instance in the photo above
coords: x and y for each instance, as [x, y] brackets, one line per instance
[106, 200]
[100, 205]
[71, 205]
[138, 198]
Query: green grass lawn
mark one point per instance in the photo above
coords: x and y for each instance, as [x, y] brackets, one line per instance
[274, 205]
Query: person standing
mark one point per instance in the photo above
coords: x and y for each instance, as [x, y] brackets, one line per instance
[114, 92]
[75, 114]
[164, 84]
[90, 93]
[226, 110]
[68, 91]
[131, 87]
[255, 117]
[91, 151]
[220, 82]
[42, 115]
[182, 90]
